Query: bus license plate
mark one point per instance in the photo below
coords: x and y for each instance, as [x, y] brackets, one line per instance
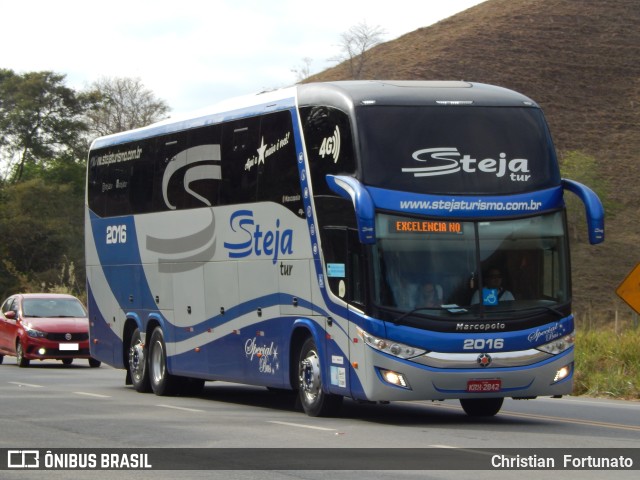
[484, 386]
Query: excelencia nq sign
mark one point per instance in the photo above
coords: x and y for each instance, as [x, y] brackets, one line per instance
[426, 226]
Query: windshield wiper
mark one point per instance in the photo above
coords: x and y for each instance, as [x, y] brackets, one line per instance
[550, 308]
[417, 309]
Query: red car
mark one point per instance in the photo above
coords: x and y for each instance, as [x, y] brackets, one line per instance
[39, 326]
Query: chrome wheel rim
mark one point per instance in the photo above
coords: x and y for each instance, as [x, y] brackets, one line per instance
[310, 376]
[136, 360]
[157, 362]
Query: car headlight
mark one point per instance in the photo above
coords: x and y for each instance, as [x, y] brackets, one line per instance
[558, 345]
[32, 332]
[396, 349]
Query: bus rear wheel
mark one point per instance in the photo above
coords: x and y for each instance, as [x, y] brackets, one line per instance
[162, 382]
[481, 407]
[138, 364]
[315, 402]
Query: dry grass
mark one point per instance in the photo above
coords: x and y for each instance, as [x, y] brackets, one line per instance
[607, 363]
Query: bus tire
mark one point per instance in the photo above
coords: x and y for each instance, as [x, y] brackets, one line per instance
[138, 365]
[315, 402]
[162, 382]
[481, 407]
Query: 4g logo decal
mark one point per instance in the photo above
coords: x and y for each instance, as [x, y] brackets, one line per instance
[331, 146]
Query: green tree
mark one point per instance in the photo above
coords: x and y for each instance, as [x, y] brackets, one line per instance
[42, 228]
[44, 130]
[40, 120]
[124, 104]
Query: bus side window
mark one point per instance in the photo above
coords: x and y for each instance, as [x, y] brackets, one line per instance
[356, 269]
[334, 247]
[343, 257]
[278, 178]
[329, 144]
[141, 183]
[241, 144]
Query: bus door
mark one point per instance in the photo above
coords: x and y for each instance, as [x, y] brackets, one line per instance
[344, 260]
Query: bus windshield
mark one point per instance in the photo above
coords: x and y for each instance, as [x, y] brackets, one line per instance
[439, 266]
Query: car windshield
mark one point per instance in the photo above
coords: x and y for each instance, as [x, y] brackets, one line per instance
[440, 266]
[52, 308]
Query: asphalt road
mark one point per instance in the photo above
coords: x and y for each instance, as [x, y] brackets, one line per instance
[50, 406]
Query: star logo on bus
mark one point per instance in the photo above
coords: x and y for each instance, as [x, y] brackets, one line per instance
[261, 151]
[484, 360]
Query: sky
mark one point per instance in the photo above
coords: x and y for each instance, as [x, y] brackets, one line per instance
[193, 53]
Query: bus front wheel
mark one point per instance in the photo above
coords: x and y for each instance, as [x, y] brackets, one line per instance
[481, 407]
[315, 402]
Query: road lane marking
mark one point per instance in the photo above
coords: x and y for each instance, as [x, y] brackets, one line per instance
[182, 408]
[604, 402]
[470, 450]
[575, 421]
[20, 384]
[92, 394]
[300, 425]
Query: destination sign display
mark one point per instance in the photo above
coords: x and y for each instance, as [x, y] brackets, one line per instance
[425, 226]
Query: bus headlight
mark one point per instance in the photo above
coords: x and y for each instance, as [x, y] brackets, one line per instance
[563, 373]
[396, 349]
[394, 378]
[558, 345]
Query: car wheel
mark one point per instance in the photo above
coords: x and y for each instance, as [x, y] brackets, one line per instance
[138, 363]
[67, 361]
[162, 382]
[315, 402]
[20, 360]
[93, 363]
[1, 358]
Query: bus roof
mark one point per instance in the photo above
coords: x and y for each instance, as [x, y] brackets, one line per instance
[412, 92]
[340, 94]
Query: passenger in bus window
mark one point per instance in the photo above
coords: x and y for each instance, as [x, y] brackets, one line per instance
[493, 291]
[404, 292]
[430, 295]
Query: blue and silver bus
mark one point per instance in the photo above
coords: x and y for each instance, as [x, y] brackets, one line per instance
[376, 240]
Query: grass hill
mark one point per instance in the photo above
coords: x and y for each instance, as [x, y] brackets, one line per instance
[580, 60]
